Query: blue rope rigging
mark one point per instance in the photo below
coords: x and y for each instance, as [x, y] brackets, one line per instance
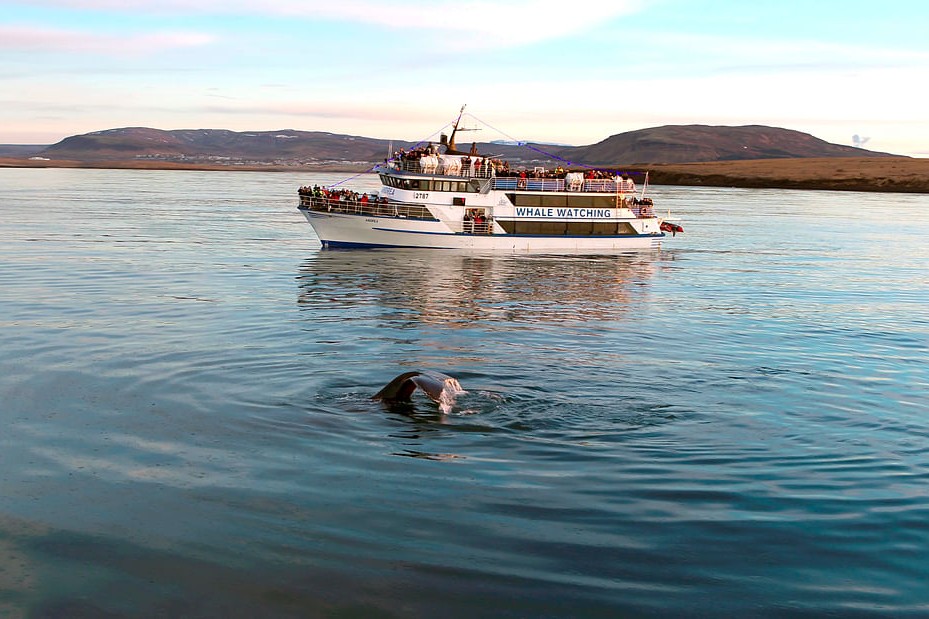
[548, 154]
[423, 141]
[521, 143]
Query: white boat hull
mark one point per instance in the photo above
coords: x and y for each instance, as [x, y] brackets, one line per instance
[349, 230]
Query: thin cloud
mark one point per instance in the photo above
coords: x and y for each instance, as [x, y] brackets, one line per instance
[338, 110]
[512, 22]
[492, 23]
[755, 54]
[38, 39]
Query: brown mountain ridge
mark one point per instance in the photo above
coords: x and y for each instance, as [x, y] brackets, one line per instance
[746, 156]
[667, 144]
[218, 145]
[702, 143]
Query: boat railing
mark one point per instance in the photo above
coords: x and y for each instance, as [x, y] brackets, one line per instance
[371, 208]
[419, 166]
[473, 227]
[592, 185]
[511, 183]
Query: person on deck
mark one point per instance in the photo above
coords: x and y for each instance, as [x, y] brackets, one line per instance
[626, 184]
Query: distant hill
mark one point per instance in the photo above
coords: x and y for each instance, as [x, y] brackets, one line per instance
[20, 150]
[219, 145]
[701, 143]
[286, 147]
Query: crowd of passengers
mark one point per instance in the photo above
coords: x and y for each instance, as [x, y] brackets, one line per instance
[470, 165]
[474, 164]
[560, 172]
[340, 195]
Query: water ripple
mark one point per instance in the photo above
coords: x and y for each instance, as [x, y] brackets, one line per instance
[735, 425]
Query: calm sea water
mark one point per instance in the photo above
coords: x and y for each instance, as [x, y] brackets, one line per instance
[735, 425]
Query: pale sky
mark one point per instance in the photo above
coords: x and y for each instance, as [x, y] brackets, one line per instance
[572, 73]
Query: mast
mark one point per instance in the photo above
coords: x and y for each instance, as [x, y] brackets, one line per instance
[451, 141]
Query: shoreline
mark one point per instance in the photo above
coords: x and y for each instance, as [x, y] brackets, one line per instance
[874, 174]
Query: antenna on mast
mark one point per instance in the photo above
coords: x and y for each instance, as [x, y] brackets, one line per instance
[449, 142]
[450, 145]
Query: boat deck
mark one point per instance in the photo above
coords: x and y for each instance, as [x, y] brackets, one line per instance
[358, 207]
[512, 183]
[534, 181]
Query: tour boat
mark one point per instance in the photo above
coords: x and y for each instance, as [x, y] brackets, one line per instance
[462, 200]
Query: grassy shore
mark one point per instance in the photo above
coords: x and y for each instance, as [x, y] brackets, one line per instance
[888, 174]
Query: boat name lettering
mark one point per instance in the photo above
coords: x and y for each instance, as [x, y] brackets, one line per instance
[577, 213]
[388, 191]
[424, 196]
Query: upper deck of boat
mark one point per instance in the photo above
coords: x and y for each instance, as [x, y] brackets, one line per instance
[538, 179]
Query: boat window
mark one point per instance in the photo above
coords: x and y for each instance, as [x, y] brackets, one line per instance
[437, 185]
[607, 201]
[569, 228]
[554, 201]
[528, 200]
[541, 227]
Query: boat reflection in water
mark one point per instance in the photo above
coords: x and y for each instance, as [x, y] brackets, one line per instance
[410, 288]
[507, 326]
